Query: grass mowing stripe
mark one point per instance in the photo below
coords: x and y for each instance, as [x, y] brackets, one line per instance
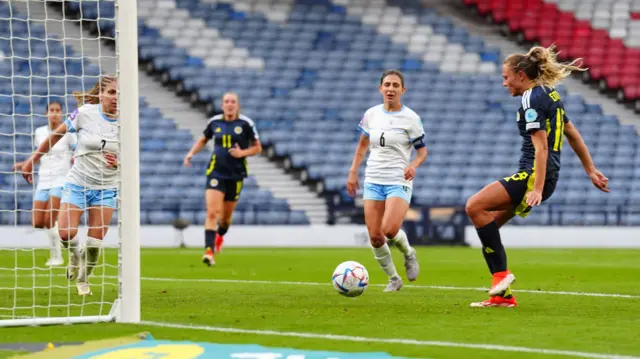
[503, 348]
[240, 281]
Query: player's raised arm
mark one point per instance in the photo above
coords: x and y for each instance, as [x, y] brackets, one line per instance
[580, 148]
[43, 149]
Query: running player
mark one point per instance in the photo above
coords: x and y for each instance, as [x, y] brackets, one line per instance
[92, 182]
[542, 124]
[389, 131]
[235, 138]
[51, 175]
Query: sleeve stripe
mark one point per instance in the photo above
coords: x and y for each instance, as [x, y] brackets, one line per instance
[363, 131]
[526, 99]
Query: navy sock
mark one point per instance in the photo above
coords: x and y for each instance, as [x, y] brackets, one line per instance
[209, 238]
[492, 248]
[222, 230]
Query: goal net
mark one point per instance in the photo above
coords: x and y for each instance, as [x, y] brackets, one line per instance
[48, 50]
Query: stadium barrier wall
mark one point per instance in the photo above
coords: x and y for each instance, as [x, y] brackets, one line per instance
[339, 236]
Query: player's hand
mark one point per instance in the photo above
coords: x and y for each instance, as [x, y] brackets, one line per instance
[17, 166]
[112, 160]
[409, 173]
[599, 180]
[187, 160]
[534, 198]
[352, 184]
[236, 151]
[27, 170]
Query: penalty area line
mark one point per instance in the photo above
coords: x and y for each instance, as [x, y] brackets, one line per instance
[502, 348]
[440, 287]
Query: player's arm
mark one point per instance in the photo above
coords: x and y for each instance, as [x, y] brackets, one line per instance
[254, 148]
[43, 149]
[540, 144]
[535, 119]
[197, 147]
[580, 148]
[358, 156]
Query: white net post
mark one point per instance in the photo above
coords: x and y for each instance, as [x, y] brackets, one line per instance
[45, 55]
[127, 54]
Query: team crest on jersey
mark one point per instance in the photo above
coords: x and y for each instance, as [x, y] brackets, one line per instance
[73, 115]
[530, 115]
[237, 130]
[213, 182]
[218, 130]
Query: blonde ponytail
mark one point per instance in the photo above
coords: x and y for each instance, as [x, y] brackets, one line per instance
[540, 65]
[93, 96]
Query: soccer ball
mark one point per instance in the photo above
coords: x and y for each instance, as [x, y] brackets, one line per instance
[350, 279]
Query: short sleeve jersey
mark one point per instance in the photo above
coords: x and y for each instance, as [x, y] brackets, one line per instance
[55, 164]
[97, 135]
[225, 135]
[542, 109]
[391, 136]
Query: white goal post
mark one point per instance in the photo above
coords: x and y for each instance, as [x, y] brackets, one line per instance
[32, 293]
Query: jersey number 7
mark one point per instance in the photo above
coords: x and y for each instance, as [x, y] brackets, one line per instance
[104, 143]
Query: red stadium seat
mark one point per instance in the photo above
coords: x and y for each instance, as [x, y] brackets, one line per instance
[607, 58]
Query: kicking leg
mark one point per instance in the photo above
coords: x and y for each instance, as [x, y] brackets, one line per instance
[373, 214]
[479, 208]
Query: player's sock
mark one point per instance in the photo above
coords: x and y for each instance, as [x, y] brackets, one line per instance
[209, 238]
[71, 244]
[222, 230]
[492, 247]
[73, 267]
[383, 256]
[402, 243]
[54, 239]
[93, 248]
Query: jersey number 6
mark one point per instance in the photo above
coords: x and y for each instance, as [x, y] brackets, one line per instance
[382, 139]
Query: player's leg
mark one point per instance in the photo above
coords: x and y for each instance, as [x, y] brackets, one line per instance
[397, 204]
[489, 209]
[101, 205]
[214, 198]
[374, 208]
[68, 223]
[52, 222]
[39, 215]
[231, 197]
[99, 217]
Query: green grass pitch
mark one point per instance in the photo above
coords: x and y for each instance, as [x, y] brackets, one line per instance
[177, 288]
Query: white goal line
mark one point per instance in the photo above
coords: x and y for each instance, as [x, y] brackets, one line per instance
[328, 283]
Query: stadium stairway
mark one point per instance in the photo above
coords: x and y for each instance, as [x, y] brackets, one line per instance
[267, 175]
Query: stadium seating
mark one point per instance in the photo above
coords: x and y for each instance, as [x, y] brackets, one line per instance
[307, 77]
[605, 33]
[168, 190]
